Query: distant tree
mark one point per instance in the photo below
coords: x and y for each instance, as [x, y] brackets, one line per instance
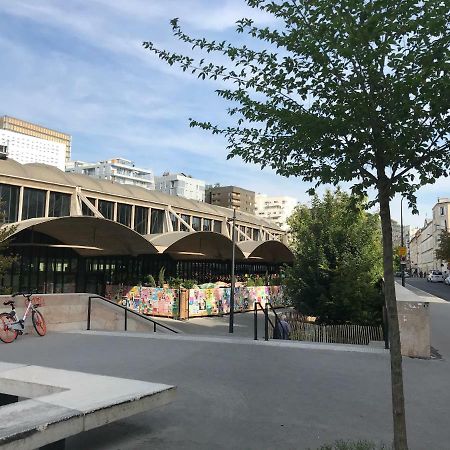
[443, 250]
[338, 261]
[350, 91]
[397, 265]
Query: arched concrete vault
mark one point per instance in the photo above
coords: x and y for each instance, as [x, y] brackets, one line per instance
[266, 251]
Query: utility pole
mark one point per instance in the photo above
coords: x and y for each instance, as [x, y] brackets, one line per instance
[233, 237]
[402, 262]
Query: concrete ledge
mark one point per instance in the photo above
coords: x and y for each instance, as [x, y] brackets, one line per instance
[68, 403]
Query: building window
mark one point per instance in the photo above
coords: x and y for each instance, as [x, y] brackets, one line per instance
[218, 226]
[124, 214]
[196, 223]
[84, 208]
[140, 219]
[441, 209]
[241, 235]
[9, 203]
[106, 209]
[157, 221]
[59, 205]
[174, 220]
[187, 219]
[33, 203]
[207, 224]
[255, 234]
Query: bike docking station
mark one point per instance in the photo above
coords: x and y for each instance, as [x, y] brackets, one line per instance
[59, 403]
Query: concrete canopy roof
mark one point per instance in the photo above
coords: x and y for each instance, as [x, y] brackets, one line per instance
[197, 245]
[90, 236]
[267, 251]
[50, 174]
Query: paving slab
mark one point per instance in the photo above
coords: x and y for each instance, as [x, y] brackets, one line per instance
[63, 403]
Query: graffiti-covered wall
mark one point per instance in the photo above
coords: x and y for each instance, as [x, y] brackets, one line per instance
[146, 300]
[200, 302]
[215, 301]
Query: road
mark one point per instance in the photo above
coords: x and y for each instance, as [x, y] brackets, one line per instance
[440, 290]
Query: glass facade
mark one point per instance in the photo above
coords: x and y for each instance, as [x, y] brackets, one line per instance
[124, 214]
[218, 226]
[33, 203]
[141, 219]
[9, 203]
[85, 210]
[207, 224]
[187, 219]
[196, 223]
[59, 205]
[157, 221]
[106, 209]
[174, 220]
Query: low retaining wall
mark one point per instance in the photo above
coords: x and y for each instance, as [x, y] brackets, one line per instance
[185, 303]
[68, 312]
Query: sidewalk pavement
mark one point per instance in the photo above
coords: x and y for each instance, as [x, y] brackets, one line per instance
[413, 294]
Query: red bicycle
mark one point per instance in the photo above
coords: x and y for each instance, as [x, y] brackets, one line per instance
[11, 326]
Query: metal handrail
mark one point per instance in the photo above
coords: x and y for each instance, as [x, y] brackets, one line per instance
[267, 320]
[127, 310]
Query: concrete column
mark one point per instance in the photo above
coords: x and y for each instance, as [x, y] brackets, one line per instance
[149, 221]
[115, 212]
[47, 203]
[132, 216]
[19, 212]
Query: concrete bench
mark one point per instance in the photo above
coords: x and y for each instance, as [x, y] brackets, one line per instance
[62, 403]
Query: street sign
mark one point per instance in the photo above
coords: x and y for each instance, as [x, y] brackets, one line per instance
[402, 251]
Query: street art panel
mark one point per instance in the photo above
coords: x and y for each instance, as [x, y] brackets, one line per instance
[216, 301]
[146, 300]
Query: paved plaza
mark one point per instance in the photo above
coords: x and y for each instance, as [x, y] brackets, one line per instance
[237, 394]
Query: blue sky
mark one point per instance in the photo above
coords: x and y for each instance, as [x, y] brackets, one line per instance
[78, 66]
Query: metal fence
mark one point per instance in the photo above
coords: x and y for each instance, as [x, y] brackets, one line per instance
[337, 334]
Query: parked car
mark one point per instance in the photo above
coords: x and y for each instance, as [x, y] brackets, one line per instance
[447, 280]
[435, 277]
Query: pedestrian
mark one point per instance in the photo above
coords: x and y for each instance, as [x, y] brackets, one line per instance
[282, 329]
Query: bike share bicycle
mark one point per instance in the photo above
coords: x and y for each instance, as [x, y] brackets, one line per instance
[11, 326]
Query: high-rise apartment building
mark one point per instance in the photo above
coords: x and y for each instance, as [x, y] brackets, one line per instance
[118, 170]
[181, 185]
[38, 131]
[231, 197]
[28, 149]
[278, 209]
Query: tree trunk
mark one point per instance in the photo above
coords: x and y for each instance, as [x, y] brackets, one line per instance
[398, 399]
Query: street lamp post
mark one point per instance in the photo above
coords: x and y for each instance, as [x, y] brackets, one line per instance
[402, 263]
[233, 237]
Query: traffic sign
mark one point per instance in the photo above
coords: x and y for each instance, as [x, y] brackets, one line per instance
[402, 251]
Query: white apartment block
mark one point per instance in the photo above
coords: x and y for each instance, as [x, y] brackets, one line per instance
[118, 170]
[29, 149]
[277, 209]
[425, 241]
[181, 185]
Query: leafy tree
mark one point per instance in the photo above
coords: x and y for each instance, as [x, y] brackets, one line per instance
[443, 251]
[6, 258]
[397, 265]
[346, 90]
[338, 261]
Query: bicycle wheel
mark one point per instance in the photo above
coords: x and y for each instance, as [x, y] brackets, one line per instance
[7, 334]
[39, 323]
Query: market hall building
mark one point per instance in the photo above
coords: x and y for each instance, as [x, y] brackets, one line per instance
[75, 233]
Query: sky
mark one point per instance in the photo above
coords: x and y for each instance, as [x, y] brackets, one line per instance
[79, 67]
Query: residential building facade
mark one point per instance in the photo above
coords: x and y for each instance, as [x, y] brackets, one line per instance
[425, 241]
[117, 170]
[181, 185]
[29, 149]
[23, 127]
[233, 197]
[275, 208]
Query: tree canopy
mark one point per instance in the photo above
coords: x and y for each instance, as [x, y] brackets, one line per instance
[338, 261]
[443, 250]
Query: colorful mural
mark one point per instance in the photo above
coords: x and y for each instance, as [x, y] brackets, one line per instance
[146, 300]
[216, 301]
[201, 302]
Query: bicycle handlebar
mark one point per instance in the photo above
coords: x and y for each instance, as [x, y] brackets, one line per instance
[25, 294]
